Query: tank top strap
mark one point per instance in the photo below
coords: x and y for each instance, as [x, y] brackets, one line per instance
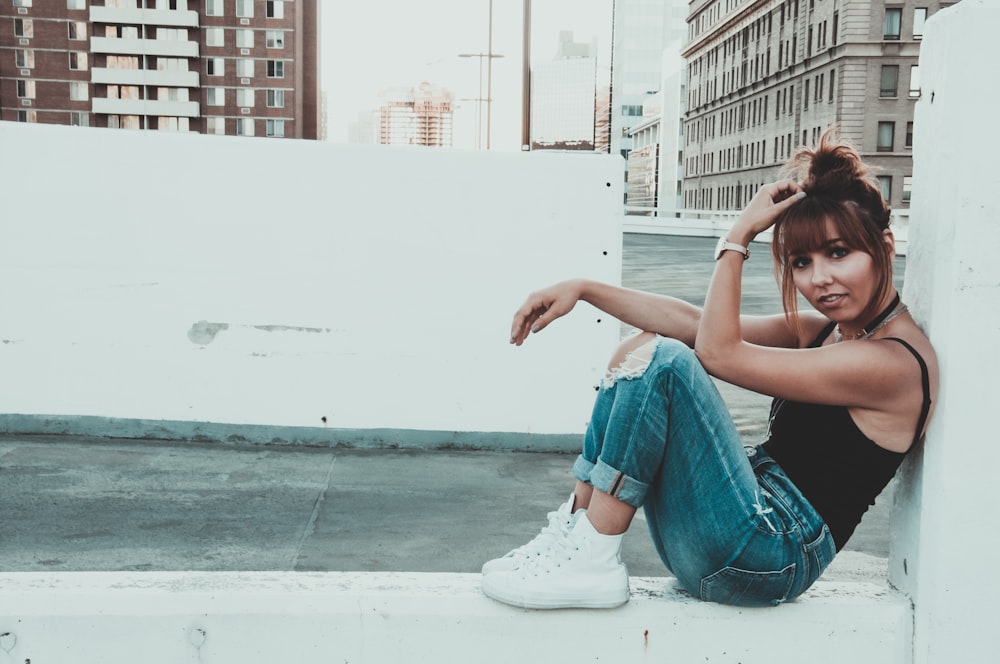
[925, 382]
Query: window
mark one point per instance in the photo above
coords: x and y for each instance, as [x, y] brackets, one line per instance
[215, 66]
[76, 4]
[919, 18]
[275, 69]
[25, 89]
[276, 128]
[22, 3]
[885, 186]
[893, 16]
[215, 37]
[244, 38]
[245, 97]
[275, 98]
[23, 27]
[27, 116]
[244, 126]
[215, 125]
[244, 68]
[213, 8]
[215, 96]
[77, 60]
[77, 30]
[276, 39]
[79, 119]
[909, 134]
[24, 59]
[886, 136]
[275, 9]
[914, 81]
[907, 187]
[890, 81]
[244, 8]
[79, 91]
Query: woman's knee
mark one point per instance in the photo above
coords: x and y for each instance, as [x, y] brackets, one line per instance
[629, 346]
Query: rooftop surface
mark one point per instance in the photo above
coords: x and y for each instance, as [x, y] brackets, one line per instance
[99, 504]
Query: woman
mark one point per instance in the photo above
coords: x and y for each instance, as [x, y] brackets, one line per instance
[853, 382]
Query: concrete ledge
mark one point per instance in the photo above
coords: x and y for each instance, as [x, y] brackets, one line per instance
[173, 617]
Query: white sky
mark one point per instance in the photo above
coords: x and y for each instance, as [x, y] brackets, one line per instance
[368, 45]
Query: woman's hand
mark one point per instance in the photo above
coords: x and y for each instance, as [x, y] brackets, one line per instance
[759, 215]
[542, 307]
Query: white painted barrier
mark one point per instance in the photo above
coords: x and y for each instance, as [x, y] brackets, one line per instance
[169, 279]
[943, 542]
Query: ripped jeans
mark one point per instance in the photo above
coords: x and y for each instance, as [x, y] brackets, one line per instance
[726, 520]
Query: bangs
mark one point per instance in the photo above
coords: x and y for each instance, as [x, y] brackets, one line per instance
[804, 228]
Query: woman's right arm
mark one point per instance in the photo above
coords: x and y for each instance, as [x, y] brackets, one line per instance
[667, 316]
[650, 312]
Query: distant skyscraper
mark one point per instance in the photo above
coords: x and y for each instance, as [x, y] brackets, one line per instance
[642, 30]
[564, 97]
[416, 116]
[209, 66]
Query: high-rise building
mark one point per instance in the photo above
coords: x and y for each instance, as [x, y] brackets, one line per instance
[246, 67]
[564, 97]
[766, 77]
[642, 30]
[416, 116]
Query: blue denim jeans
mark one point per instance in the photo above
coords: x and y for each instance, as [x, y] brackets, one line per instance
[725, 519]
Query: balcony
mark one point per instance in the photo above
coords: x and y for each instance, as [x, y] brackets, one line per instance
[161, 47]
[133, 16]
[175, 79]
[180, 109]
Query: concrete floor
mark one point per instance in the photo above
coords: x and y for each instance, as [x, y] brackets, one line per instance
[79, 503]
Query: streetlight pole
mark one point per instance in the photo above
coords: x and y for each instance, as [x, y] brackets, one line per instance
[489, 55]
[526, 79]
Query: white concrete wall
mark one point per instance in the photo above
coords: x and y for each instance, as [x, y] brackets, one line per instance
[277, 282]
[944, 527]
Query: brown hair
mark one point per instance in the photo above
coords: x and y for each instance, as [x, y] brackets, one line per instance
[840, 189]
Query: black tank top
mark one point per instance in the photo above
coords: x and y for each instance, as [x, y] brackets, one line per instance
[838, 469]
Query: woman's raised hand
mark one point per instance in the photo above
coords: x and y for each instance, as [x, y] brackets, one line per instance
[542, 307]
[769, 201]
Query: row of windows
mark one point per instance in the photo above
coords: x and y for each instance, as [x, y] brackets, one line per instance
[216, 125]
[244, 8]
[78, 61]
[80, 91]
[753, 154]
[737, 196]
[77, 31]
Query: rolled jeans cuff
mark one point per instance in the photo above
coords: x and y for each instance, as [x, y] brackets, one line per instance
[611, 481]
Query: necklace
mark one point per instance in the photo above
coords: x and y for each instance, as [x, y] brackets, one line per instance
[896, 308]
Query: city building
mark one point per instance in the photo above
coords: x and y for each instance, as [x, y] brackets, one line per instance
[416, 116]
[767, 77]
[564, 97]
[245, 67]
[643, 29]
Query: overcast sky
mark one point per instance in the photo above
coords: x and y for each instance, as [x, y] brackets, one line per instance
[375, 44]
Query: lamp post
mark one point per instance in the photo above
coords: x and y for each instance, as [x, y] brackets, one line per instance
[489, 55]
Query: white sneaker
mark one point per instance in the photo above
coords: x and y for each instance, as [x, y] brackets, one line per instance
[583, 570]
[560, 522]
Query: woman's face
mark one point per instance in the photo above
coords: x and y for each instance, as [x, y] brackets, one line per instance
[837, 280]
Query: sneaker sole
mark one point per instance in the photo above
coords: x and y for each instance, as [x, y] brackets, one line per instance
[607, 601]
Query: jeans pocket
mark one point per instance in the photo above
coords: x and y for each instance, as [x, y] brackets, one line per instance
[820, 552]
[740, 587]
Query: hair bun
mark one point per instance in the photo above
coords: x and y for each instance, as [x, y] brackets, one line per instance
[833, 169]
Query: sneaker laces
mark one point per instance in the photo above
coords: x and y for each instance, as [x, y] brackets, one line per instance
[549, 560]
[552, 534]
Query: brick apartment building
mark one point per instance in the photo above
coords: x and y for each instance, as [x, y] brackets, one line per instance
[239, 67]
[766, 76]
